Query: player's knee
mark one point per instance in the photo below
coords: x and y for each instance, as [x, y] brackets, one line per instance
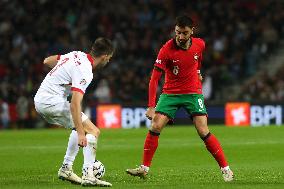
[94, 131]
[98, 132]
[157, 128]
[202, 131]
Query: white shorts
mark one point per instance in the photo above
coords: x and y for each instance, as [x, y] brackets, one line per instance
[58, 114]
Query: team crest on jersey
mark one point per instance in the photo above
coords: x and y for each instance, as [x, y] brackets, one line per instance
[83, 82]
[196, 56]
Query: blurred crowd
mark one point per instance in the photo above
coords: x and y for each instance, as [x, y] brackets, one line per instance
[238, 35]
[265, 88]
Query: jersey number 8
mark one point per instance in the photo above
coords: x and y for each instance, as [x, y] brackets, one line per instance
[200, 102]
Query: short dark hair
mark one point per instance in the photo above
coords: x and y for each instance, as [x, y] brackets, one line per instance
[183, 21]
[102, 46]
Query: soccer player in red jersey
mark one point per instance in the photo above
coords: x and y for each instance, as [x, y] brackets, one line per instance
[180, 59]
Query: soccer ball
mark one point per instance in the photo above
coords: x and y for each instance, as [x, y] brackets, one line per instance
[99, 169]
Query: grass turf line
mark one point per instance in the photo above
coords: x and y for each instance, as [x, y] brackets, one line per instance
[31, 158]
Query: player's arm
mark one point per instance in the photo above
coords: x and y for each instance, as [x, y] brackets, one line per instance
[159, 67]
[200, 60]
[76, 110]
[153, 85]
[51, 61]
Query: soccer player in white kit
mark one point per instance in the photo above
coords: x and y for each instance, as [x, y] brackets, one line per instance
[72, 72]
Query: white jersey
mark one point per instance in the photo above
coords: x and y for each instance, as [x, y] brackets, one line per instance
[73, 71]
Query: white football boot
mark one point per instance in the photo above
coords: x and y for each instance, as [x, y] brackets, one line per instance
[88, 179]
[66, 173]
[140, 171]
[228, 174]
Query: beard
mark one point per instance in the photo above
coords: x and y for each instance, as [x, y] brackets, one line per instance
[182, 42]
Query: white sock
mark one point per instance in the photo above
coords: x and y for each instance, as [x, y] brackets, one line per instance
[72, 149]
[90, 152]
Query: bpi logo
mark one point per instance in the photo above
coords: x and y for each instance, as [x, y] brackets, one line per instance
[109, 116]
[265, 115]
[244, 114]
[237, 114]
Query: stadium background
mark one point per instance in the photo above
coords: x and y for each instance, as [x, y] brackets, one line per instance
[243, 62]
[243, 59]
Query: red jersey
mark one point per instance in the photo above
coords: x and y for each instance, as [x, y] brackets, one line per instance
[181, 67]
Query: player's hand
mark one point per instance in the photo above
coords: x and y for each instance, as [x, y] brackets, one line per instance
[200, 77]
[150, 113]
[82, 140]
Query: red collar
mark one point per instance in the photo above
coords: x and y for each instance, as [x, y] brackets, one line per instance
[90, 58]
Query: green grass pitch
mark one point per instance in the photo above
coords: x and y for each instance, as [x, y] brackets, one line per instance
[30, 158]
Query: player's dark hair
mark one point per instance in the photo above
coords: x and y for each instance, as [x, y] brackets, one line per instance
[102, 46]
[183, 21]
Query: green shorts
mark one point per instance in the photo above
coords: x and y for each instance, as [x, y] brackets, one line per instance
[168, 104]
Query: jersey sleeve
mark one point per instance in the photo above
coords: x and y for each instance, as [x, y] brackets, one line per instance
[202, 43]
[162, 58]
[80, 81]
[153, 85]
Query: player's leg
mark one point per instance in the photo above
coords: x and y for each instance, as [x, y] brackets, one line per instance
[92, 134]
[72, 149]
[194, 104]
[213, 146]
[59, 114]
[165, 111]
[66, 171]
[150, 145]
[63, 117]
[152, 138]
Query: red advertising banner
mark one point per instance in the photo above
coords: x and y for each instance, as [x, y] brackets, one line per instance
[237, 114]
[109, 116]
